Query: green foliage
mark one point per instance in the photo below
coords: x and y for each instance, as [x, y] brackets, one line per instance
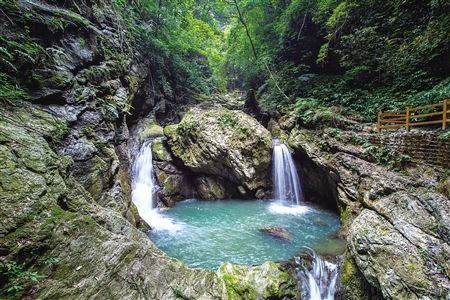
[312, 113]
[52, 261]
[61, 129]
[387, 157]
[324, 146]
[9, 92]
[15, 278]
[228, 119]
[179, 293]
[186, 127]
[382, 155]
[445, 136]
[181, 40]
[245, 132]
[19, 53]
[364, 56]
[333, 132]
[19, 58]
[340, 14]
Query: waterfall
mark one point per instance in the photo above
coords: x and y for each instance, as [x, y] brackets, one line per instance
[319, 281]
[145, 188]
[285, 178]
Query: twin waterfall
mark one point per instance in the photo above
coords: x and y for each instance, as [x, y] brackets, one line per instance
[285, 178]
[317, 282]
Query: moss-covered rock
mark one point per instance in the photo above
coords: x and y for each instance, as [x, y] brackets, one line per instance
[150, 130]
[224, 143]
[354, 285]
[48, 213]
[160, 151]
[267, 281]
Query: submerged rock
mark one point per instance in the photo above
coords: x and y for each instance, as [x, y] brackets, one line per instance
[223, 143]
[278, 232]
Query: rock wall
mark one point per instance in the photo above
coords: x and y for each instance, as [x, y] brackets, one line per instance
[319, 183]
[396, 222]
[425, 146]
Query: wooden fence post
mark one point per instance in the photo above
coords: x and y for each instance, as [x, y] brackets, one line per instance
[379, 121]
[444, 115]
[408, 118]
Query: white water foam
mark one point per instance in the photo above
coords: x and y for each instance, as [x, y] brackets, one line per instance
[144, 192]
[319, 281]
[283, 209]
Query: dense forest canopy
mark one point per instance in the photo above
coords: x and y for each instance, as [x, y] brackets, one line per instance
[361, 55]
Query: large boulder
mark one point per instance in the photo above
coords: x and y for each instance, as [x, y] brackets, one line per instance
[410, 226]
[223, 143]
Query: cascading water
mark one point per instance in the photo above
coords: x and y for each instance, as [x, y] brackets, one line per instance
[143, 181]
[145, 188]
[285, 178]
[319, 281]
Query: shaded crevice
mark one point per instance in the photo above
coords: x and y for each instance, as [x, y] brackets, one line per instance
[319, 185]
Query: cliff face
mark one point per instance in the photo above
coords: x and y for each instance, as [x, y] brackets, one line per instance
[395, 216]
[86, 248]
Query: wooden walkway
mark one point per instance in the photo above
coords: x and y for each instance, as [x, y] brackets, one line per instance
[416, 116]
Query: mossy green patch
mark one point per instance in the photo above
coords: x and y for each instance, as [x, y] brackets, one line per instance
[151, 131]
[268, 281]
[168, 185]
[353, 282]
[237, 289]
[160, 151]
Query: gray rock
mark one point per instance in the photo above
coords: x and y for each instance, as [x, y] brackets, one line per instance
[396, 223]
[214, 188]
[67, 112]
[80, 150]
[224, 143]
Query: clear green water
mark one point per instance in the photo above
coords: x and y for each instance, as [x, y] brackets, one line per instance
[206, 234]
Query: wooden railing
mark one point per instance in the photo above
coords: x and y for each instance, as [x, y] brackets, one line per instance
[416, 116]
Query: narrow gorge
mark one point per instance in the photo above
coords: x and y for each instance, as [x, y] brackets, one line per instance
[222, 150]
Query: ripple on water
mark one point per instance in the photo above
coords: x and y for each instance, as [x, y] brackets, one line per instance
[206, 234]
